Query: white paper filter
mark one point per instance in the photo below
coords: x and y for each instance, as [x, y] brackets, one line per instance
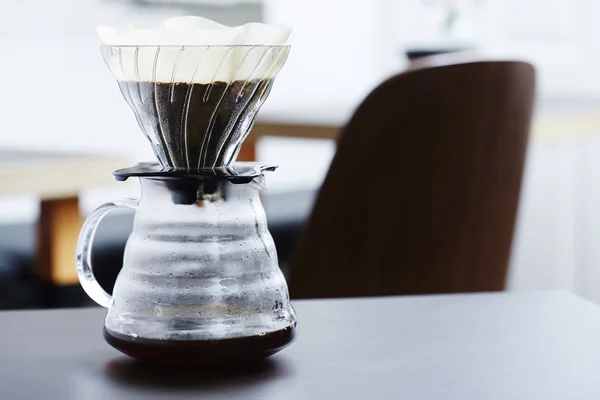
[195, 49]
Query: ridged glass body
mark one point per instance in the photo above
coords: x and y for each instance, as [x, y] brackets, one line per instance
[200, 271]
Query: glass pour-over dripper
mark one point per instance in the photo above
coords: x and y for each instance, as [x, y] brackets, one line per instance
[196, 104]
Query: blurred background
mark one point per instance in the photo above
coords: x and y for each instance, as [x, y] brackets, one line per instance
[59, 97]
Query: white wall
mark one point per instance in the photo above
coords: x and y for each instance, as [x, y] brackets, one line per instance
[340, 51]
[57, 92]
[560, 37]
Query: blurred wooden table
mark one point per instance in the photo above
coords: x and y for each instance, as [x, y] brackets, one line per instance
[57, 180]
[553, 118]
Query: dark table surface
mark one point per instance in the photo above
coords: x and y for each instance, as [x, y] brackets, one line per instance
[482, 346]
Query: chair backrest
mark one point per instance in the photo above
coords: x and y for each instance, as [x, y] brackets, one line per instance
[422, 194]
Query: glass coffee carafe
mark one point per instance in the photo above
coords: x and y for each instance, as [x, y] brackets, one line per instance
[200, 282]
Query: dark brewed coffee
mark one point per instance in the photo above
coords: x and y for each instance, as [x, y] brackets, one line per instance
[203, 352]
[196, 125]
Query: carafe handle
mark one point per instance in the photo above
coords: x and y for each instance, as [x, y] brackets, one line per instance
[84, 253]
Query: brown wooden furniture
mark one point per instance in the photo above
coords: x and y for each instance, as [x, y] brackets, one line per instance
[422, 194]
[57, 180]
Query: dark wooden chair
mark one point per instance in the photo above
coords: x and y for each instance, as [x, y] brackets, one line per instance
[422, 194]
